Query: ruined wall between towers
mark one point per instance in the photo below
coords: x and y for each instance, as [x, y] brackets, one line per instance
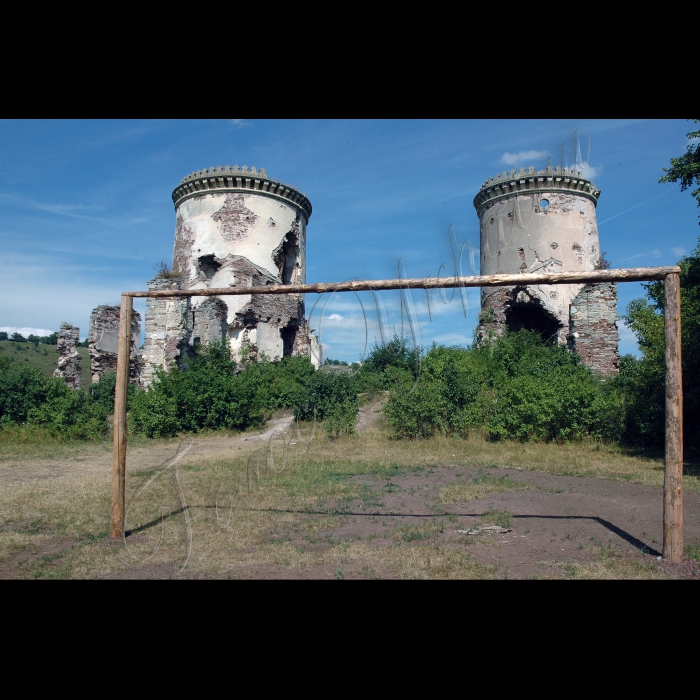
[103, 342]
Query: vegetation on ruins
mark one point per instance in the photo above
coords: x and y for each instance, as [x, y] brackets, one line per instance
[164, 271]
[517, 387]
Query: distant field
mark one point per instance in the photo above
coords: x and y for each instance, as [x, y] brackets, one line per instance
[44, 357]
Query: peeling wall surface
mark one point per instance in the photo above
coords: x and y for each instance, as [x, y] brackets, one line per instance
[237, 227]
[542, 221]
[68, 357]
[103, 342]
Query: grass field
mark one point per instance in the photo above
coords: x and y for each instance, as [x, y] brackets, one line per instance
[44, 357]
[298, 505]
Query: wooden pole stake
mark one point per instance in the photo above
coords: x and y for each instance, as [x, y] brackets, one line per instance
[673, 478]
[120, 392]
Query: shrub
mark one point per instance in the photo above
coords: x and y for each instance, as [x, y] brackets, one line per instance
[340, 420]
[28, 398]
[517, 387]
[211, 392]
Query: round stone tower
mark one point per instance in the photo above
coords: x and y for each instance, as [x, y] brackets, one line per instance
[545, 220]
[238, 227]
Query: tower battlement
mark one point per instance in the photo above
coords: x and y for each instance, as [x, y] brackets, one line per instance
[529, 180]
[235, 179]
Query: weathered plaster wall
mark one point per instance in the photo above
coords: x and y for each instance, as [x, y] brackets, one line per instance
[103, 342]
[68, 356]
[539, 221]
[227, 238]
[518, 235]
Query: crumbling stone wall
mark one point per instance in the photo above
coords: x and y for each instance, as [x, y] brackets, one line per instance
[272, 325]
[103, 342]
[68, 356]
[593, 332]
[513, 308]
[237, 227]
[209, 324]
[168, 330]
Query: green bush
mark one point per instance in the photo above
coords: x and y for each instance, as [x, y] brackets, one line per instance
[516, 387]
[323, 392]
[209, 393]
[38, 403]
[22, 389]
[340, 419]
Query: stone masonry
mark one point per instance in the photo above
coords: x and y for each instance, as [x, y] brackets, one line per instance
[593, 330]
[168, 330]
[68, 356]
[103, 342]
[209, 322]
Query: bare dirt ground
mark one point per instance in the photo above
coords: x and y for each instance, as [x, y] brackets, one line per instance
[336, 514]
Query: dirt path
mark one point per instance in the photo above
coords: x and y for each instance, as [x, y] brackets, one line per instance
[138, 457]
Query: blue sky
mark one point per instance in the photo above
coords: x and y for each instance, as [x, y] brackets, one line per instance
[85, 207]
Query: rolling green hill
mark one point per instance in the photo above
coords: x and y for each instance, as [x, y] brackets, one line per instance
[45, 357]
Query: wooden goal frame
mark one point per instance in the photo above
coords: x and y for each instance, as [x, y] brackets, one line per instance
[673, 461]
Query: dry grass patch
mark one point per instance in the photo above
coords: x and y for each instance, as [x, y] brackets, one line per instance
[239, 509]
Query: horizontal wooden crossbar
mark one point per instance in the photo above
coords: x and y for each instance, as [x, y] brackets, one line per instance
[635, 274]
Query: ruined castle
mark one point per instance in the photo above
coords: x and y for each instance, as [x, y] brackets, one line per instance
[238, 227]
[545, 221]
[233, 227]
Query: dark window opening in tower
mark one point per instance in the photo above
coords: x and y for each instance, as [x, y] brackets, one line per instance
[286, 257]
[532, 317]
[209, 265]
[289, 335]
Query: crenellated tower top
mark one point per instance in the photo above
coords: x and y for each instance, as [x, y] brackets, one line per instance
[566, 180]
[235, 179]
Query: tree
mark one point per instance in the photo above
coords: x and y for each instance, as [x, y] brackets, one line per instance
[18, 338]
[647, 376]
[3, 335]
[687, 167]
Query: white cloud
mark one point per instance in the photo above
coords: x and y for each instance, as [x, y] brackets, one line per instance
[24, 331]
[647, 254]
[678, 251]
[523, 157]
[589, 172]
[239, 122]
[335, 317]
